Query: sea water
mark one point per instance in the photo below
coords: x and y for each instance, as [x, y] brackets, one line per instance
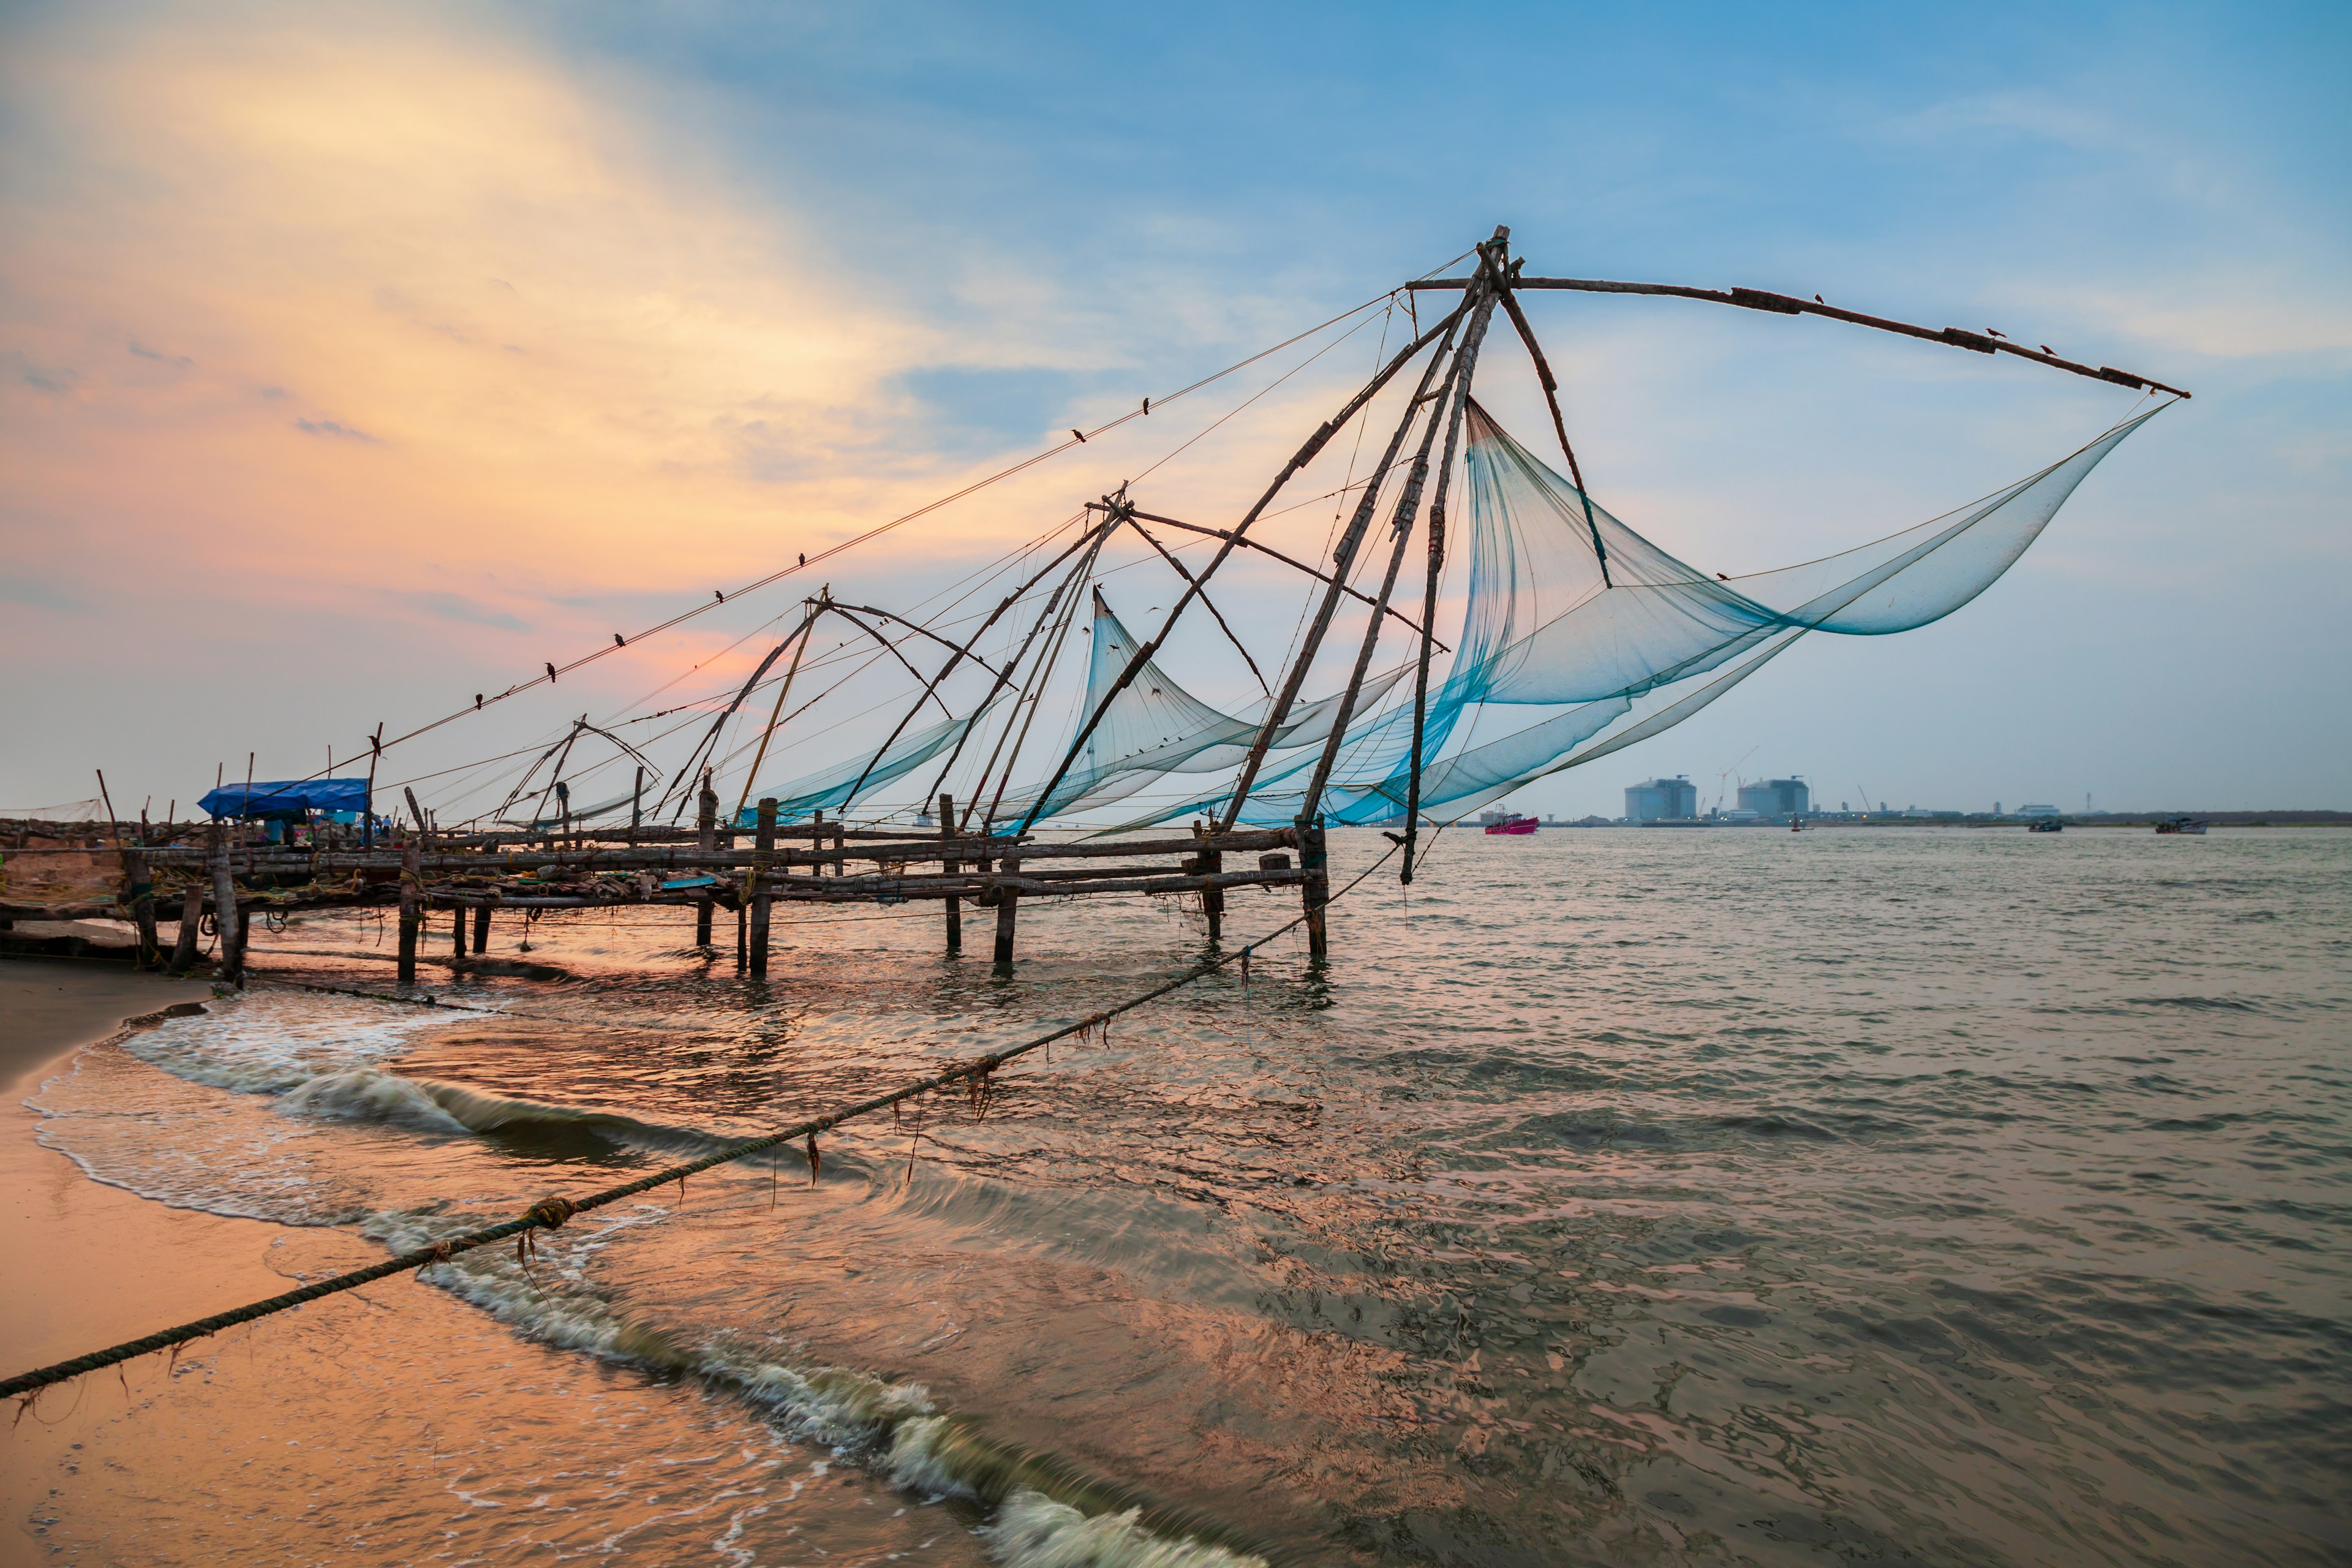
[1866, 1194]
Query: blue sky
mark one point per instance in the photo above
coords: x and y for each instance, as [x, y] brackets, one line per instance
[922, 238]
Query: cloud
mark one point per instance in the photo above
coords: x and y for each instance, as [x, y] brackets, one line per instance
[43, 377]
[457, 608]
[40, 595]
[180, 362]
[339, 432]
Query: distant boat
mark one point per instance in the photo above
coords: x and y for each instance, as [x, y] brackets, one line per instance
[1513, 826]
[2047, 825]
[2182, 825]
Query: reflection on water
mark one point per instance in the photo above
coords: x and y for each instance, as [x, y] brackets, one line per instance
[1960, 1196]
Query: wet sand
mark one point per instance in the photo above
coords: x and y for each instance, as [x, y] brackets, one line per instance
[90, 1265]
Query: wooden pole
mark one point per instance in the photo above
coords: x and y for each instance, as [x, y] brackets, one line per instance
[764, 846]
[231, 967]
[1213, 900]
[742, 936]
[1408, 503]
[367, 809]
[950, 868]
[1551, 385]
[1491, 261]
[412, 887]
[192, 914]
[481, 927]
[1145, 652]
[1316, 891]
[458, 932]
[637, 804]
[1790, 305]
[706, 824]
[1343, 560]
[1008, 916]
[808, 627]
[142, 906]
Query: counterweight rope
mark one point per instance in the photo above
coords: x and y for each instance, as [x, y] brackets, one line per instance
[551, 1212]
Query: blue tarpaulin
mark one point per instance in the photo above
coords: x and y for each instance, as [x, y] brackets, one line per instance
[286, 794]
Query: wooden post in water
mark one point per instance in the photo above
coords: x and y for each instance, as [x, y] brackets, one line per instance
[142, 906]
[412, 915]
[949, 869]
[1213, 900]
[231, 967]
[706, 822]
[481, 927]
[638, 805]
[458, 932]
[1316, 891]
[192, 914]
[764, 847]
[1008, 916]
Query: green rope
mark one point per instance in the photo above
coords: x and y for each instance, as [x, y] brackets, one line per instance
[551, 1213]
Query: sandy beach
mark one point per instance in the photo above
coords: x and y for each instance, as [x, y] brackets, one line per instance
[93, 1264]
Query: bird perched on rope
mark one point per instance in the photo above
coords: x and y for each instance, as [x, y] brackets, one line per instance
[619, 641]
[1996, 333]
[551, 673]
[2048, 350]
[1819, 301]
[1079, 433]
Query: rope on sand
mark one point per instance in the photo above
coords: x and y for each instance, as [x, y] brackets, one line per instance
[551, 1213]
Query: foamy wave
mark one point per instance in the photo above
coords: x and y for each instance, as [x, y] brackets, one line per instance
[1033, 1531]
[268, 1043]
[893, 1426]
[369, 1094]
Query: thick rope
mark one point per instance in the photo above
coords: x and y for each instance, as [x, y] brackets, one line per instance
[551, 1213]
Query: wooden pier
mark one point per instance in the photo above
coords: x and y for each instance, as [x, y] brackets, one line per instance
[184, 874]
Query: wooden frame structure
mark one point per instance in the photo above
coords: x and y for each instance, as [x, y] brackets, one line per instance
[750, 867]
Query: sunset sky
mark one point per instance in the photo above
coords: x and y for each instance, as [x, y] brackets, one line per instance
[354, 360]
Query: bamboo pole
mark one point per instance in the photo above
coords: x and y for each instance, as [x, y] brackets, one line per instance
[1560, 424]
[1343, 561]
[1408, 503]
[1491, 261]
[1263, 548]
[808, 625]
[1305, 453]
[481, 927]
[1206, 603]
[1790, 305]
[1004, 676]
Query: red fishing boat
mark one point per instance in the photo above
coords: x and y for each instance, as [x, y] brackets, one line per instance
[1513, 824]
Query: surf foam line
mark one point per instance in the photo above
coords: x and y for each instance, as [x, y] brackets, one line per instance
[1043, 1511]
[550, 1213]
